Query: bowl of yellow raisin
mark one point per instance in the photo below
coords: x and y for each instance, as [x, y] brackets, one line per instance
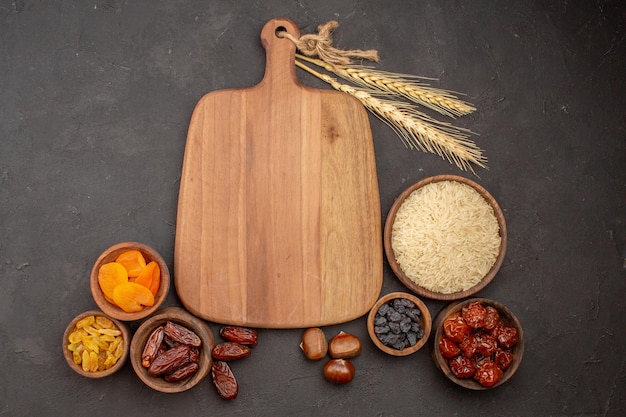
[96, 345]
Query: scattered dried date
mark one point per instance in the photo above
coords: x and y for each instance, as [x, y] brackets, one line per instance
[230, 351]
[240, 335]
[224, 380]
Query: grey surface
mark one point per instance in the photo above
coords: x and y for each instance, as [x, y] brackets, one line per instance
[95, 100]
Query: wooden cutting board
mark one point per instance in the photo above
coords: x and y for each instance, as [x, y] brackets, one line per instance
[279, 220]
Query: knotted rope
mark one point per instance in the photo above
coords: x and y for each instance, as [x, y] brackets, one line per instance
[320, 45]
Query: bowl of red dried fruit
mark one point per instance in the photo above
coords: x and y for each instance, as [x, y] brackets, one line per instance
[129, 281]
[478, 343]
[171, 350]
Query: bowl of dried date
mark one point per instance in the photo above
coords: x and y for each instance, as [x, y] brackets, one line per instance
[171, 350]
[129, 281]
[478, 343]
[399, 324]
[95, 345]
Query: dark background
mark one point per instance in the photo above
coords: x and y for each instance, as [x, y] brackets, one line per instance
[95, 101]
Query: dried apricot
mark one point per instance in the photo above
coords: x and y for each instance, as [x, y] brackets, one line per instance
[110, 275]
[150, 277]
[133, 261]
[132, 297]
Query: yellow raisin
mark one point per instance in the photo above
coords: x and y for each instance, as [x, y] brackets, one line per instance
[85, 322]
[104, 323]
[85, 362]
[77, 335]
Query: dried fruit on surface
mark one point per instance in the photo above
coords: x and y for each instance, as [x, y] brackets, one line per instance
[241, 335]
[224, 380]
[230, 351]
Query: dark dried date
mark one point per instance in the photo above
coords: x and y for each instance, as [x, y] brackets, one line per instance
[224, 380]
[181, 334]
[183, 372]
[230, 351]
[151, 349]
[240, 335]
[170, 360]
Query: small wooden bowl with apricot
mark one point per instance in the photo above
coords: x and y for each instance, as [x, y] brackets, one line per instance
[129, 281]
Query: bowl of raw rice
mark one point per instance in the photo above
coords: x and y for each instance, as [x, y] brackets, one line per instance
[445, 237]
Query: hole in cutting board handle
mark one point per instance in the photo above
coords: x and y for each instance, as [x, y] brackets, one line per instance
[278, 30]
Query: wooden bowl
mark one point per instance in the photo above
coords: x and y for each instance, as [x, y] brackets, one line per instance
[410, 284]
[182, 317]
[425, 323]
[110, 255]
[506, 317]
[78, 368]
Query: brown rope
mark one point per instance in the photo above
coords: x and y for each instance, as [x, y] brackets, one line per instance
[320, 45]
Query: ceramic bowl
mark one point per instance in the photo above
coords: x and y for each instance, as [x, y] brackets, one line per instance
[410, 284]
[182, 317]
[110, 255]
[424, 321]
[78, 367]
[507, 318]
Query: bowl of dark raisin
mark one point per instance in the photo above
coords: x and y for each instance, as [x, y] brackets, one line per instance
[477, 343]
[171, 350]
[399, 324]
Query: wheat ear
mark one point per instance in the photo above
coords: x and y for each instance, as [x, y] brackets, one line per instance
[407, 86]
[450, 143]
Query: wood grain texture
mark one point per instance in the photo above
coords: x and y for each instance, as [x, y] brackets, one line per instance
[278, 214]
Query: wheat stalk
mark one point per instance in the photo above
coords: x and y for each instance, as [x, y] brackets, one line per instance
[452, 144]
[407, 86]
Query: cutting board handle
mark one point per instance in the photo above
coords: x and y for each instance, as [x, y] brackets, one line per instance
[280, 52]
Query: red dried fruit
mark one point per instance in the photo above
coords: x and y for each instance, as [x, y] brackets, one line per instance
[448, 348]
[183, 372]
[507, 336]
[469, 345]
[474, 314]
[240, 335]
[224, 380]
[152, 346]
[169, 361]
[462, 367]
[503, 358]
[492, 318]
[488, 374]
[455, 328]
[230, 351]
[181, 334]
[487, 345]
